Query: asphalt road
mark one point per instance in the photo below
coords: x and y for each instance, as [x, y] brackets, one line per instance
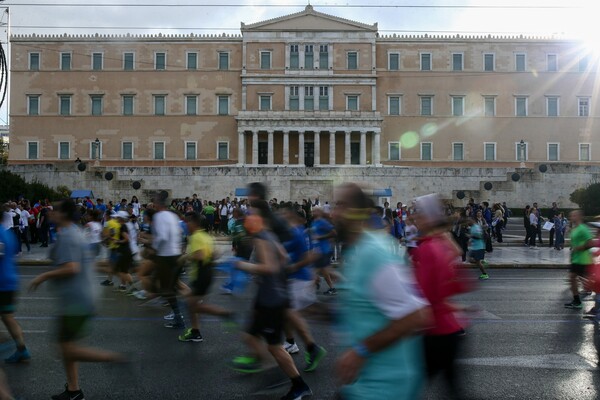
[522, 344]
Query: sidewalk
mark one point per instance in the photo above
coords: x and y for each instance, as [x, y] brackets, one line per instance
[501, 257]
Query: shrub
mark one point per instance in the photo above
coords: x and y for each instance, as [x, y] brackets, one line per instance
[14, 186]
[588, 199]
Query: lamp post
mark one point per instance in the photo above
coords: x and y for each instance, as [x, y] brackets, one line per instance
[522, 153]
[96, 152]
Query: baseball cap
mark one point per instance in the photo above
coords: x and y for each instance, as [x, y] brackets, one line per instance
[123, 214]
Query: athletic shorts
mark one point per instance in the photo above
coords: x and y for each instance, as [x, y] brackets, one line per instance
[268, 323]
[201, 285]
[324, 260]
[8, 302]
[124, 262]
[477, 255]
[302, 293]
[167, 272]
[579, 269]
[73, 327]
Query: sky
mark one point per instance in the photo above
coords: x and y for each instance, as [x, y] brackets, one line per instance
[569, 19]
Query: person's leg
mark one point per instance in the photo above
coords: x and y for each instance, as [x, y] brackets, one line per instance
[295, 321]
[25, 238]
[5, 393]
[14, 329]
[17, 233]
[539, 234]
[551, 238]
[574, 286]
[499, 231]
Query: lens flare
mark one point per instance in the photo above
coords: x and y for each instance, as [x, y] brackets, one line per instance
[429, 129]
[409, 139]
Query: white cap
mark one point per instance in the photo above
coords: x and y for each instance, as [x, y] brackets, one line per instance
[430, 206]
[123, 214]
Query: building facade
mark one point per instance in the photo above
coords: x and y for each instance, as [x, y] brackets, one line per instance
[306, 89]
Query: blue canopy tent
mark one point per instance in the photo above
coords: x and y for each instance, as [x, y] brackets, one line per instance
[382, 195]
[76, 194]
[241, 192]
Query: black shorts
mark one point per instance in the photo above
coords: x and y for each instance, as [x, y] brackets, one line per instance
[579, 269]
[124, 262]
[268, 323]
[8, 303]
[201, 285]
[73, 327]
[324, 260]
[167, 272]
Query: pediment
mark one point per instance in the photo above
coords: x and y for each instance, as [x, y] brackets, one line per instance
[308, 20]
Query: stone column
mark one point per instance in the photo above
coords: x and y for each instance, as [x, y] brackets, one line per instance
[286, 147]
[377, 148]
[301, 148]
[255, 147]
[270, 149]
[363, 147]
[332, 148]
[241, 147]
[347, 153]
[317, 148]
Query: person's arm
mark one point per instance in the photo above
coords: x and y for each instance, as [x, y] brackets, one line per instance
[64, 271]
[586, 246]
[266, 264]
[309, 258]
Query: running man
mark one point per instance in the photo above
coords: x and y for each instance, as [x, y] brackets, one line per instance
[582, 241]
[73, 286]
[9, 285]
[322, 232]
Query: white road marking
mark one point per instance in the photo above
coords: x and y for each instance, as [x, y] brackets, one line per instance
[545, 361]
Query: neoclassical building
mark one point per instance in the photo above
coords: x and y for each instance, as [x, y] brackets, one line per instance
[306, 89]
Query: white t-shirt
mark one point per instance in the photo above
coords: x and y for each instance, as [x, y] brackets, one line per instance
[411, 233]
[166, 234]
[93, 232]
[395, 293]
[7, 221]
[25, 218]
[133, 229]
[136, 209]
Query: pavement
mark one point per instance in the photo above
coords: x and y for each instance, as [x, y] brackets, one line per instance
[521, 344]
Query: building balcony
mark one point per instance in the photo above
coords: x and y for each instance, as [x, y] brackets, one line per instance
[311, 115]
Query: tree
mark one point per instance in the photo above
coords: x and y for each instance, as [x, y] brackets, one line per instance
[3, 152]
[588, 199]
[13, 186]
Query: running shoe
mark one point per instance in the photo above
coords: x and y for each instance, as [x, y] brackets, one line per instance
[484, 277]
[330, 292]
[291, 348]
[585, 293]
[247, 365]
[18, 356]
[121, 288]
[175, 325]
[574, 305]
[227, 288]
[68, 395]
[189, 336]
[314, 358]
[169, 317]
[140, 295]
[298, 393]
[107, 282]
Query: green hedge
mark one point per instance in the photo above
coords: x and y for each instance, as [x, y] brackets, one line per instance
[13, 186]
[518, 212]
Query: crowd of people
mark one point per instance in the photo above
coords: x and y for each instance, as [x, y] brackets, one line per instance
[399, 268]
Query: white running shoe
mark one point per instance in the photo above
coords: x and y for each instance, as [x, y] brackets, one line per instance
[291, 348]
[169, 317]
[140, 295]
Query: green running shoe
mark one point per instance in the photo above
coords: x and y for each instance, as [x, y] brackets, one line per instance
[483, 277]
[314, 358]
[246, 365]
[189, 336]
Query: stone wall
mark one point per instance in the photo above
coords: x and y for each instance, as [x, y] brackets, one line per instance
[296, 183]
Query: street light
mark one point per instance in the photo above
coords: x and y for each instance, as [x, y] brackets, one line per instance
[522, 153]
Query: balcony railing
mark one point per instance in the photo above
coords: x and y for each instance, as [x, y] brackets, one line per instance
[309, 115]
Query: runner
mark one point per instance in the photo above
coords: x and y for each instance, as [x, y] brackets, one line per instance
[111, 233]
[9, 285]
[582, 241]
[380, 311]
[270, 303]
[72, 284]
[477, 247]
[200, 256]
[322, 232]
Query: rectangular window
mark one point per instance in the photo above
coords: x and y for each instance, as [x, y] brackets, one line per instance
[488, 62]
[458, 153]
[64, 150]
[191, 105]
[96, 150]
[552, 106]
[426, 151]
[352, 60]
[65, 61]
[584, 62]
[583, 107]
[457, 62]
[553, 152]
[520, 62]
[34, 62]
[128, 61]
[127, 150]
[323, 98]
[394, 151]
[521, 151]
[352, 103]
[190, 150]
[32, 150]
[458, 106]
[96, 105]
[192, 60]
[65, 104]
[521, 106]
[394, 105]
[97, 61]
[160, 104]
[160, 61]
[489, 106]
[425, 61]
[309, 98]
[265, 102]
[426, 105]
[294, 98]
[33, 104]
[294, 57]
[309, 57]
[223, 105]
[324, 57]
[265, 60]
[159, 150]
[584, 152]
[223, 150]
[551, 62]
[127, 105]
[489, 152]
[394, 61]
[223, 60]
